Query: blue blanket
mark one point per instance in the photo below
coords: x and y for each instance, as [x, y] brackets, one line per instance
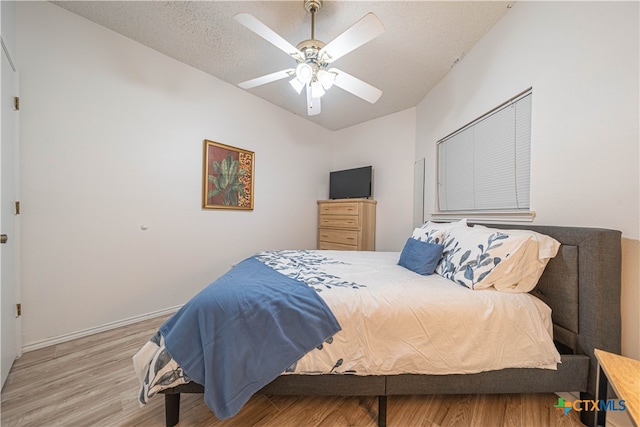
[242, 331]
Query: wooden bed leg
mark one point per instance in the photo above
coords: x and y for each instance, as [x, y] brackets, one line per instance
[171, 409]
[382, 411]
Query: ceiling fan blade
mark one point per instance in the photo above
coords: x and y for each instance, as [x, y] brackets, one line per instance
[356, 86]
[366, 29]
[258, 81]
[313, 104]
[252, 23]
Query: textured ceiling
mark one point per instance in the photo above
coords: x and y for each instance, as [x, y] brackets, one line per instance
[421, 42]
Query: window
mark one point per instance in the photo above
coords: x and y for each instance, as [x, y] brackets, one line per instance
[484, 167]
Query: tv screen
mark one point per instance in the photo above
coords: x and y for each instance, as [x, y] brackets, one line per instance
[351, 183]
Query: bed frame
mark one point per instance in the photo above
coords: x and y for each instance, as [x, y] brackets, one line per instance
[582, 287]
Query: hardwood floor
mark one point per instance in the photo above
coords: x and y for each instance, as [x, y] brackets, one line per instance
[90, 382]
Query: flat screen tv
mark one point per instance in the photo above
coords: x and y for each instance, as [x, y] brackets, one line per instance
[351, 183]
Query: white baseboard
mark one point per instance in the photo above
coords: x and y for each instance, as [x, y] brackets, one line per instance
[619, 419]
[90, 331]
[569, 395]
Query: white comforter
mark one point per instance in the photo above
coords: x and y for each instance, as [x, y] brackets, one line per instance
[395, 321]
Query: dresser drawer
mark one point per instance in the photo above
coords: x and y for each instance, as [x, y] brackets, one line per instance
[339, 221]
[342, 208]
[328, 246]
[345, 237]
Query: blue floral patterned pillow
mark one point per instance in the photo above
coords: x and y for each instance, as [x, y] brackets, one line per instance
[420, 257]
[524, 275]
[477, 258]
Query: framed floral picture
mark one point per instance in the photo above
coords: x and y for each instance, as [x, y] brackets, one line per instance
[228, 177]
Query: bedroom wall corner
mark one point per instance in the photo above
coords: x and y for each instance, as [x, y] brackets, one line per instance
[387, 143]
[631, 298]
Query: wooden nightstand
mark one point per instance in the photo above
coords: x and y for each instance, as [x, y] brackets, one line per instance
[623, 374]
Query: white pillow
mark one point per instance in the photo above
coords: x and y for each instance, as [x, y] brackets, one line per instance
[524, 275]
[477, 258]
[435, 232]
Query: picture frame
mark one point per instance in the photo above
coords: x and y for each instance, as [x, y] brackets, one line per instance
[227, 177]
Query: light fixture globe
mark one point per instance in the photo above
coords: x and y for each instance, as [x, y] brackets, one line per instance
[316, 89]
[297, 84]
[326, 78]
[304, 72]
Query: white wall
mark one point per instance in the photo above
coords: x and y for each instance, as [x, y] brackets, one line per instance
[387, 144]
[581, 58]
[112, 136]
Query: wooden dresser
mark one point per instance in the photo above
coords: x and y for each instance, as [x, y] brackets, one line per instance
[347, 224]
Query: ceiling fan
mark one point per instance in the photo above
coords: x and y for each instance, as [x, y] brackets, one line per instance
[314, 57]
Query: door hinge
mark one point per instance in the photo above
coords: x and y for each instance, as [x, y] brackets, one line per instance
[17, 208]
[19, 310]
[16, 103]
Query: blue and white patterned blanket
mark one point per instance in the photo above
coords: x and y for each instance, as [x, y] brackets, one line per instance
[242, 331]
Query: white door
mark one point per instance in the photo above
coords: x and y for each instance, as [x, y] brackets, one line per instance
[9, 227]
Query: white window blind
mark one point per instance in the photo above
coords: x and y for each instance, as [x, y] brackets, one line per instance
[485, 166]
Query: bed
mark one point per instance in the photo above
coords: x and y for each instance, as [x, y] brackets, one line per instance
[580, 285]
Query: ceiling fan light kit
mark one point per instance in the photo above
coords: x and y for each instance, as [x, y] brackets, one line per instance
[313, 58]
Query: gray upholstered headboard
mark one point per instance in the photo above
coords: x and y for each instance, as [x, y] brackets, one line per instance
[582, 287]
